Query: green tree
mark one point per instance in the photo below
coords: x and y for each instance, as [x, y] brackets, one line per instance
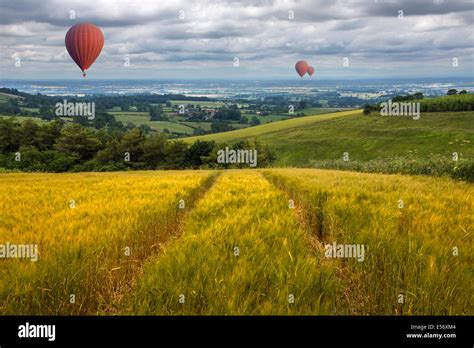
[110, 153]
[142, 107]
[199, 149]
[48, 133]
[302, 104]
[156, 112]
[146, 129]
[78, 141]
[254, 121]
[29, 133]
[176, 153]
[46, 112]
[10, 135]
[220, 126]
[154, 150]
[131, 143]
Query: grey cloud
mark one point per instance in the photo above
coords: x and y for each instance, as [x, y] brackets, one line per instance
[256, 31]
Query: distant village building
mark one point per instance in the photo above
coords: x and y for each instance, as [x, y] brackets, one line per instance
[210, 113]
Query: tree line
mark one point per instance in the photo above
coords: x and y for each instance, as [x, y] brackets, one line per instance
[59, 147]
[453, 101]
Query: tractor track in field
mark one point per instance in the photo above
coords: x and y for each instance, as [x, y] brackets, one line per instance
[123, 286]
[249, 214]
[310, 217]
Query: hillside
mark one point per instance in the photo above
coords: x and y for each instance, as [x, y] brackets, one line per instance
[301, 141]
[5, 96]
[271, 128]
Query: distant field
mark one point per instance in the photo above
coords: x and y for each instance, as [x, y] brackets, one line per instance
[137, 118]
[202, 103]
[176, 123]
[271, 128]
[318, 111]
[267, 118]
[204, 125]
[24, 118]
[129, 115]
[5, 96]
[30, 109]
[143, 118]
[279, 117]
[171, 126]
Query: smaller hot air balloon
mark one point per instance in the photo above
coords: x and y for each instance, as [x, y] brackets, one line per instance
[310, 70]
[84, 41]
[301, 67]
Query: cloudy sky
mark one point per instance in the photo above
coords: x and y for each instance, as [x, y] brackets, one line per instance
[202, 39]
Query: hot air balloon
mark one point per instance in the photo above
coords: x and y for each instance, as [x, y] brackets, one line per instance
[310, 70]
[84, 41]
[301, 67]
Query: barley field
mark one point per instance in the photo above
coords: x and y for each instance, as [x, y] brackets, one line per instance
[92, 230]
[236, 242]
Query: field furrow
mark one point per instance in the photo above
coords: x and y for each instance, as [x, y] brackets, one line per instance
[242, 252]
[416, 233]
[93, 234]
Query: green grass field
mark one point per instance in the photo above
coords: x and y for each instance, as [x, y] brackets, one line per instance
[204, 125]
[176, 123]
[202, 103]
[6, 96]
[143, 118]
[24, 118]
[271, 128]
[267, 118]
[30, 109]
[279, 117]
[297, 142]
[319, 111]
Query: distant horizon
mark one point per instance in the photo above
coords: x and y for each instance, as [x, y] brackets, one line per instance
[463, 78]
[229, 88]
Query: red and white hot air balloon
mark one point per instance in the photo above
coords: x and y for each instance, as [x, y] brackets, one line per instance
[301, 67]
[310, 70]
[84, 42]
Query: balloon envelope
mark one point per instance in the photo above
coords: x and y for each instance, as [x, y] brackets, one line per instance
[301, 67]
[84, 41]
[310, 70]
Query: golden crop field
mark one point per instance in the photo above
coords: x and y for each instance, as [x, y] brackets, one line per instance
[242, 252]
[91, 231]
[417, 233]
[236, 242]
